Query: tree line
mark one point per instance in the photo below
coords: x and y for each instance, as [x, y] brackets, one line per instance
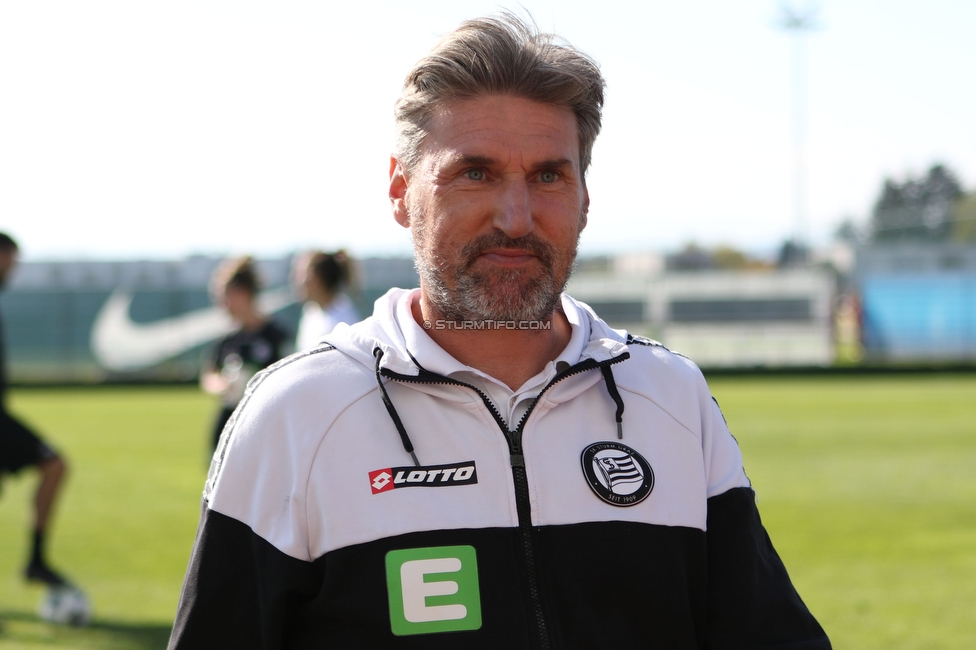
[932, 207]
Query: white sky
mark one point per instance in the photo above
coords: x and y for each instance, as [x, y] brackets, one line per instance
[161, 129]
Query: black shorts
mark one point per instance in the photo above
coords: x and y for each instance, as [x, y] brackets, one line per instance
[19, 446]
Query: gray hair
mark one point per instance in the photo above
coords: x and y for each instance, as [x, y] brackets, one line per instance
[499, 56]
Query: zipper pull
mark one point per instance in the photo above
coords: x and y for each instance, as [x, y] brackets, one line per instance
[518, 460]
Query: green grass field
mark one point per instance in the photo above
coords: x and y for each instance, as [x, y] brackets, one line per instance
[125, 527]
[866, 485]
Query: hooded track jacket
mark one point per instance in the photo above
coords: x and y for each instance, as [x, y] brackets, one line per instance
[375, 493]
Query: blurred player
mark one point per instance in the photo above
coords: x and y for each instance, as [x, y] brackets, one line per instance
[241, 354]
[20, 447]
[321, 279]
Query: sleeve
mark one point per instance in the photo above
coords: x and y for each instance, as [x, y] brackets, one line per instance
[240, 591]
[213, 357]
[751, 601]
[250, 576]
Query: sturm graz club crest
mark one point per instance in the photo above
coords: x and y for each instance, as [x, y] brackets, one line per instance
[617, 474]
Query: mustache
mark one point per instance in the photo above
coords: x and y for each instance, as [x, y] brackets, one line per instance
[470, 252]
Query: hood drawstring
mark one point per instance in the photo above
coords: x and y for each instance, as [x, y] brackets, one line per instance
[615, 396]
[404, 438]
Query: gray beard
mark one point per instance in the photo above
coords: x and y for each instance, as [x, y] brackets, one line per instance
[460, 294]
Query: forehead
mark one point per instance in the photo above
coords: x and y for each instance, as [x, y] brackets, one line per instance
[501, 126]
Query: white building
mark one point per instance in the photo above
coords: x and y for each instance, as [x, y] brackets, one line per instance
[720, 318]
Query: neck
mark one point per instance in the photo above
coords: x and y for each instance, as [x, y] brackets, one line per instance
[511, 356]
[252, 320]
[324, 298]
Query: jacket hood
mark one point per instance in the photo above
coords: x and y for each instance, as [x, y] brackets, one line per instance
[383, 330]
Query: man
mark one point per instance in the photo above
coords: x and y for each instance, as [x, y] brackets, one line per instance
[20, 447]
[533, 479]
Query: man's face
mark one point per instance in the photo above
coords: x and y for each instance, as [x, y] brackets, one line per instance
[8, 260]
[496, 205]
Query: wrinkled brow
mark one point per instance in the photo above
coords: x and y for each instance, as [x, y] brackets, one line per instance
[487, 161]
[471, 159]
[555, 163]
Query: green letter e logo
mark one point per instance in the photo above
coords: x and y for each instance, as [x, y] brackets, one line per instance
[433, 590]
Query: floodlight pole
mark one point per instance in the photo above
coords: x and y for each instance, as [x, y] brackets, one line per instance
[797, 23]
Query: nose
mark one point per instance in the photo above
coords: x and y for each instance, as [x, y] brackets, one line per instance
[513, 209]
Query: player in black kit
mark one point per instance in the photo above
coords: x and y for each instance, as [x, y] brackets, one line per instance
[20, 447]
[257, 344]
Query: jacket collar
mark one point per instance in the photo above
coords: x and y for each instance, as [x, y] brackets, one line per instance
[407, 347]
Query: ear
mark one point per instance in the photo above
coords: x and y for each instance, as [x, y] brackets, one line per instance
[586, 208]
[398, 192]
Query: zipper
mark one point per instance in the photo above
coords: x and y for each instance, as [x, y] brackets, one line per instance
[427, 377]
[514, 439]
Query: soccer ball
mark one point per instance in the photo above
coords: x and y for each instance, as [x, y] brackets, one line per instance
[65, 605]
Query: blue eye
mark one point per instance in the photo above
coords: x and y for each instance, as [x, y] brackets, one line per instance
[475, 174]
[547, 177]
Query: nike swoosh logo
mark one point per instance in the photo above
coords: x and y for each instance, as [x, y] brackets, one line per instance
[119, 343]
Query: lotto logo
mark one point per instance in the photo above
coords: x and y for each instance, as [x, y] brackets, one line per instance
[433, 590]
[382, 480]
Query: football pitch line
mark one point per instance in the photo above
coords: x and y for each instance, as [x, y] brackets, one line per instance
[865, 484]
